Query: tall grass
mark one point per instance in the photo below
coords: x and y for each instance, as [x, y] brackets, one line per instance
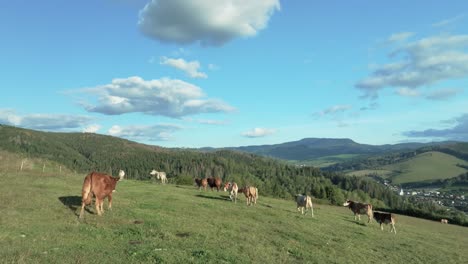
[154, 223]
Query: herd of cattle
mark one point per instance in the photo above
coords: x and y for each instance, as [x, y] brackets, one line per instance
[101, 185]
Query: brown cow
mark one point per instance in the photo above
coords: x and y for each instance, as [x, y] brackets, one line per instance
[201, 183]
[385, 218]
[251, 193]
[214, 183]
[359, 209]
[101, 186]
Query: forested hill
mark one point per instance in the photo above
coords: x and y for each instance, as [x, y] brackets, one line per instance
[313, 148]
[84, 152]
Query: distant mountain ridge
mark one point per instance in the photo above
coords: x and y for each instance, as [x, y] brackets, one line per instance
[313, 148]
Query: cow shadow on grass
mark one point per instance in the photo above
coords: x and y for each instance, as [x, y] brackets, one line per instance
[222, 197]
[355, 221]
[73, 203]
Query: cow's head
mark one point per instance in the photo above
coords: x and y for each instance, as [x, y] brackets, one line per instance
[347, 203]
[227, 185]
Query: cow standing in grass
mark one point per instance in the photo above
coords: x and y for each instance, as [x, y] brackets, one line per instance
[214, 183]
[304, 201]
[359, 208]
[251, 193]
[160, 175]
[385, 218]
[233, 190]
[201, 183]
[101, 186]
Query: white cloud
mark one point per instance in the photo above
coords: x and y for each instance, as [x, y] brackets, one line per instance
[399, 37]
[335, 109]
[213, 67]
[205, 21]
[448, 21]
[189, 67]
[407, 92]
[160, 132]
[50, 122]
[258, 132]
[163, 97]
[457, 132]
[423, 62]
[371, 106]
[443, 94]
[211, 122]
[91, 128]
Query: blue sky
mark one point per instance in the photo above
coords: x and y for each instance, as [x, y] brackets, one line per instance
[196, 73]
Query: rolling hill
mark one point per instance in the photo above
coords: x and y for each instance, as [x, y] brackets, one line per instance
[325, 151]
[153, 223]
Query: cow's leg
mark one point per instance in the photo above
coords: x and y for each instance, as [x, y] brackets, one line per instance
[82, 209]
[359, 217]
[98, 206]
[381, 226]
[109, 198]
[393, 227]
[101, 205]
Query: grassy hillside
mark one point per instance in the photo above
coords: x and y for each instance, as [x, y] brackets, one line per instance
[179, 224]
[426, 166]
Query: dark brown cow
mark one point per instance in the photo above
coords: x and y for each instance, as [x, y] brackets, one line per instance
[251, 193]
[385, 218]
[101, 186]
[359, 209]
[304, 202]
[214, 183]
[201, 183]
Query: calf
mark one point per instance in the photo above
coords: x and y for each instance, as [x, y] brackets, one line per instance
[359, 209]
[385, 218]
[304, 201]
[251, 193]
[233, 190]
[101, 186]
[214, 183]
[444, 221]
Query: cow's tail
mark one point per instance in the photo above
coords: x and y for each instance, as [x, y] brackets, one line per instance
[370, 212]
[86, 192]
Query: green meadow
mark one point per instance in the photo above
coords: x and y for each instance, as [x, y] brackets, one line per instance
[426, 166]
[154, 223]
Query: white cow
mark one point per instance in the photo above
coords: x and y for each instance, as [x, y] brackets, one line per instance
[304, 201]
[160, 175]
[233, 189]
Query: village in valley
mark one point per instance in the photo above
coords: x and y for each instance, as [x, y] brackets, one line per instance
[450, 199]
